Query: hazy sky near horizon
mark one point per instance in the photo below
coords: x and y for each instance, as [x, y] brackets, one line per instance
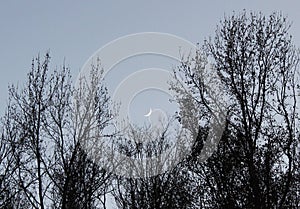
[74, 30]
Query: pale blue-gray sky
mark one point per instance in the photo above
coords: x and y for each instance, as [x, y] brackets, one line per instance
[75, 29]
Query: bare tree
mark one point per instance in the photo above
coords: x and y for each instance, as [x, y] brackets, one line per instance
[158, 181]
[257, 162]
[9, 195]
[44, 146]
[26, 115]
[53, 151]
[80, 182]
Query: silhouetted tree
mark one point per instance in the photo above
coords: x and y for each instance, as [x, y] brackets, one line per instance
[45, 134]
[257, 161]
[53, 151]
[158, 184]
[79, 181]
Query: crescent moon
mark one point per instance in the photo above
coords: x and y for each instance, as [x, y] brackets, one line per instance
[148, 114]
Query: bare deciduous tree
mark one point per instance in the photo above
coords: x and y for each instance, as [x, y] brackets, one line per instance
[257, 161]
[45, 146]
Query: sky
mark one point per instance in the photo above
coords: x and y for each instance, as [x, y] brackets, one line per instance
[74, 30]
